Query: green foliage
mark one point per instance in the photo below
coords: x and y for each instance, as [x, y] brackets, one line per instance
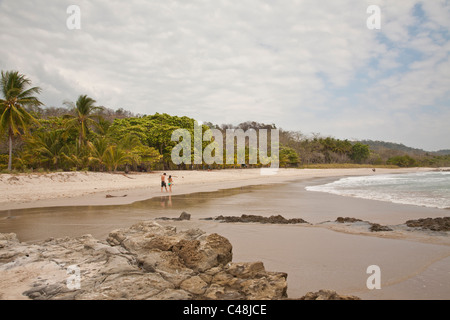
[98, 150]
[288, 157]
[444, 152]
[435, 161]
[402, 161]
[45, 149]
[154, 131]
[360, 152]
[14, 118]
[82, 117]
[4, 159]
[115, 156]
[3, 162]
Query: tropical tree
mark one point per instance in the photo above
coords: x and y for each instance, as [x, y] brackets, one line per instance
[402, 161]
[83, 117]
[46, 147]
[76, 156]
[98, 150]
[360, 152]
[116, 156]
[17, 96]
[288, 157]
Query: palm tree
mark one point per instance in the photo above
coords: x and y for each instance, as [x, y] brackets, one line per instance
[48, 147]
[16, 97]
[98, 150]
[122, 153]
[83, 118]
[116, 156]
[76, 156]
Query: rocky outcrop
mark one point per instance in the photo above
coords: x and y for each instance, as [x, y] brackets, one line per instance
[145, 261]
[260, 219]
[183, 216]
[374, 227]
[347, 220]
[433, 224]
[327, 295]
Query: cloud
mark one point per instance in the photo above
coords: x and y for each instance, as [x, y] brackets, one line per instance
[303, 65]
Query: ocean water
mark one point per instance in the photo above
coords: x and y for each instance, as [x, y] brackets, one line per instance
[427, 189]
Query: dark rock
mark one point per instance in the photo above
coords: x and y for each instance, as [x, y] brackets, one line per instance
[434, 224]
[184, 216]
[347, 219]
[375, 227]
[260, 219]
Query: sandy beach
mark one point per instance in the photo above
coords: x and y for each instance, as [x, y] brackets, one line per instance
[319, 255]
[91, 188]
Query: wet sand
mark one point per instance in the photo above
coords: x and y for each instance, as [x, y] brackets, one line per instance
[414, 265]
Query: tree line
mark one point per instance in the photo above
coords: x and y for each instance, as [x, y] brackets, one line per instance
[84, 136]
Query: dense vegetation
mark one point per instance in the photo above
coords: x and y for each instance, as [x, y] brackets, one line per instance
[84, 136]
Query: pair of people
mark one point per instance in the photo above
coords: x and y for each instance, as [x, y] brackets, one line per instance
[163, 182]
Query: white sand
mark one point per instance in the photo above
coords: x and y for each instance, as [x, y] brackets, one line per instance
[90, 188]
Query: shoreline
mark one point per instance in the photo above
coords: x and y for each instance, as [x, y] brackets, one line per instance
[91, 188]
[317, 256]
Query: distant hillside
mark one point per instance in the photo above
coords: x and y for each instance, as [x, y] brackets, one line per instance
[445, 152]
[379, 146]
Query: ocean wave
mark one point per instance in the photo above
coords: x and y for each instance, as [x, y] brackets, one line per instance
[420, 189]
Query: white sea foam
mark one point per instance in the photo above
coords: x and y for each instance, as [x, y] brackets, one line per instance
[429, 189]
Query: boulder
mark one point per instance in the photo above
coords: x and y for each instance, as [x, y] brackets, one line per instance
[327, 295]
[145, 261]
[207, 252]
[248, 281]
[184, 216]
[375, 227]
[433, 224]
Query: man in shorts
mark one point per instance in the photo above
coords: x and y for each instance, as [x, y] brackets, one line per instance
[163, 182]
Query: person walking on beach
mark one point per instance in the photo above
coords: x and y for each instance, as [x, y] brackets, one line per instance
[163, 182]
[170, 183]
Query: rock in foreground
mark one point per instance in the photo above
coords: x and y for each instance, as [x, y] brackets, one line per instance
[327, 295]
[145, 261]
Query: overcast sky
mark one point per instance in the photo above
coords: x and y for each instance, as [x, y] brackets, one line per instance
[305, 65]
